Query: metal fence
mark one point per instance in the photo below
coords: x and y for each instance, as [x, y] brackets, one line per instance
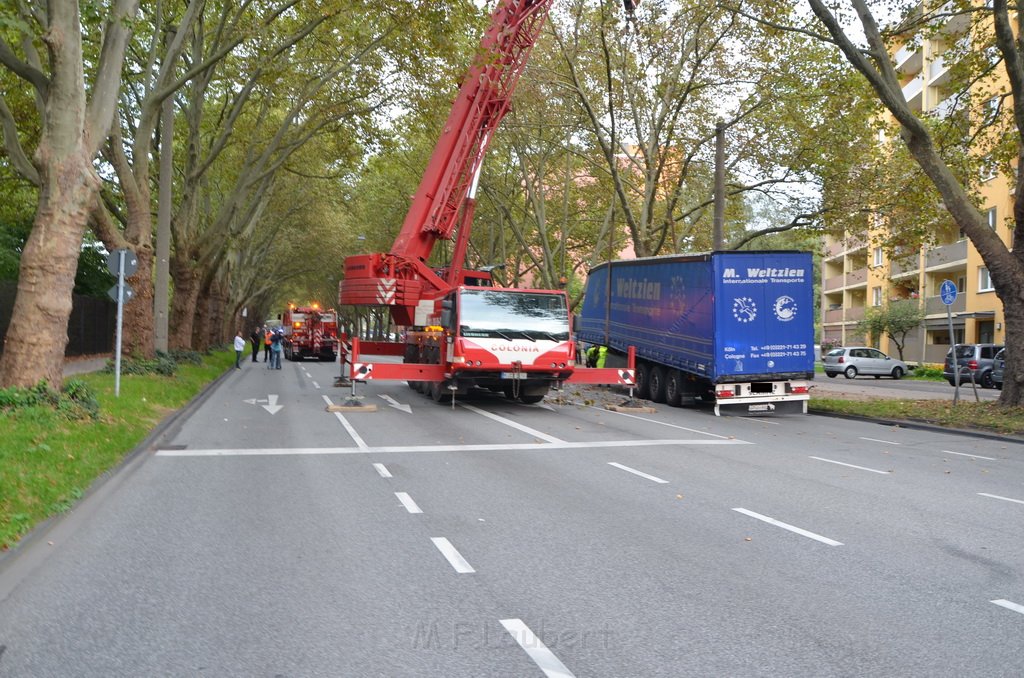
[90, 327]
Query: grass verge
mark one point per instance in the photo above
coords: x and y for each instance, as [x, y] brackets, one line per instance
[48, 462]
[971, 416]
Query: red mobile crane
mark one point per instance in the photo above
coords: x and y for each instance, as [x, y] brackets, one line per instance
[459, 330]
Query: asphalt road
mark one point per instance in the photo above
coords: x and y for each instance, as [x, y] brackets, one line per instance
[267, 536]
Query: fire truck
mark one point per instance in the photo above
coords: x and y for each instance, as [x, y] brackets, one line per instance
[459, 330]
[310, 332]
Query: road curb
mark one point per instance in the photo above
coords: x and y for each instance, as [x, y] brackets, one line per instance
[922, 426]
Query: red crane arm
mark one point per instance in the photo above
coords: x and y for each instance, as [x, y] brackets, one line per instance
[401, 278]
[482, 102]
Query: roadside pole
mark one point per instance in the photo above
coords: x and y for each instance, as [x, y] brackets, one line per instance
[947, 292]
[121, 262]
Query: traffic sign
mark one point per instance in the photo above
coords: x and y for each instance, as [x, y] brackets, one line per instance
[128, 292]
[947, 291]
[131, 263]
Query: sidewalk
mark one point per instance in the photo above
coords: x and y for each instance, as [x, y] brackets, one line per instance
[84, 364]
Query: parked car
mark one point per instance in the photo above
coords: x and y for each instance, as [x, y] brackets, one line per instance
[998, 367]
[850, 361]
[974, 361]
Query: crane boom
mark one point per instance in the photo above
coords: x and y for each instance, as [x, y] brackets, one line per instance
[401, 278]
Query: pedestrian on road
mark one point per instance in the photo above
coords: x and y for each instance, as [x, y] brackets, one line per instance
[267, 336]
[256, 338]
[276, 348]
[239, 347]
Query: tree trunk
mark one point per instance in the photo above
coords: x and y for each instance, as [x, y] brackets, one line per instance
[202, 322]
[38, 332]
[221, 326]
[138, 334]
[183, 304]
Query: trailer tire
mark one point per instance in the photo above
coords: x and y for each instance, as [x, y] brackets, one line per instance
[674, 388]
[643, 381]
[656, 384]
[439, 392]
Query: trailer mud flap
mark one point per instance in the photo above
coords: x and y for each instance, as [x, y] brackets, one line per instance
[739, 408]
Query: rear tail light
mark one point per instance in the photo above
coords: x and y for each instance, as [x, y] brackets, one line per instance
[799, 389]
[972, 364]
[841, 359]
[724, 394]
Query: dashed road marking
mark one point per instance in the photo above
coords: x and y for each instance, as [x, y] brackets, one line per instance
[635, 472]
[545, 659]
[787, 526]
[454, 558]
[862, 468]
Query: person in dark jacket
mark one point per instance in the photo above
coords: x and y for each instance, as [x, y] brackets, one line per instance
[256, 338]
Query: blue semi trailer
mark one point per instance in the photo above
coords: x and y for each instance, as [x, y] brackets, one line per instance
[732, 328]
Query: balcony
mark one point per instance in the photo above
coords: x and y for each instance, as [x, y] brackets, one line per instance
[858, 277]
[835, 316]
[934, 305]
[913, 93]
[938, 72]
[855, 314]
[908, 59]
[947, 257]
[835, 282]
[904, 266]
[944, 108]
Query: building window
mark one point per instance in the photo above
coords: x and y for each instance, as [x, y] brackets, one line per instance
[988, 168]
[876, 296]
[992, 109]
[877, 254]
[992, 219]
[984, 280]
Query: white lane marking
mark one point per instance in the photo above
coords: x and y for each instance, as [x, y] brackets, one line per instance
[787, 526]
[316, 385]
[972, 456]
[454, 557]
[395, 404]
[862, 468]
[536, 649]
[351, 431]
[563, 445]
[408, 503]
[996, 496]
[661, 423]
[1009, 605]
[513, 424]
[383, 470]
[348, 427]
[876, 440]
[762, 421]
[635, 472]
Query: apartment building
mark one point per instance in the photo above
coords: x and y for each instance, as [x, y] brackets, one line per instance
[858, 273]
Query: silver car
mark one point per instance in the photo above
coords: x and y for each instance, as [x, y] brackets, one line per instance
[851, 361]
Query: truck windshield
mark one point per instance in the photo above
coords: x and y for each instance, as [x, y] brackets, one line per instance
[513, 315]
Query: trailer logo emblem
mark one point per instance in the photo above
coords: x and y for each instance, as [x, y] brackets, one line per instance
[744, 309]
[785, 308]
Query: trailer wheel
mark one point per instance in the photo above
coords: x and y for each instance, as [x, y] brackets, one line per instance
[674, 389]
[657, 384]
[643, 381]
[439, 392]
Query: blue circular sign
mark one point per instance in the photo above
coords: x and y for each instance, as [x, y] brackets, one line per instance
[947, 290]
